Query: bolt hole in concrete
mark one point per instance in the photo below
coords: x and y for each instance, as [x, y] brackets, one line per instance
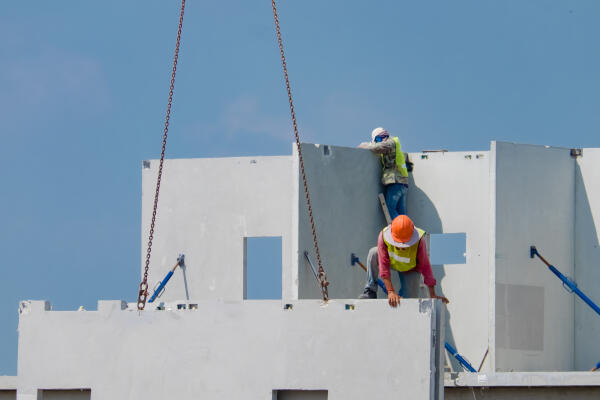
[193, 306]
[288, 307]
[181, 306]
[299, 394]
[262, 268]
[350, 307]
[448, 248]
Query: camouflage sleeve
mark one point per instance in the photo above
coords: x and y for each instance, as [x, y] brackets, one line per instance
[385, 147]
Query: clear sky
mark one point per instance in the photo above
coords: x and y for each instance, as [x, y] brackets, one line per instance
[83, 89]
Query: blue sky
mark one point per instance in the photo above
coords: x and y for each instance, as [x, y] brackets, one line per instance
[83, 89]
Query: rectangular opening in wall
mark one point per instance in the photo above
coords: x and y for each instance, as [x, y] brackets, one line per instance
[8, 394]
[448, 248]
[262, 268]
[64, 394]
[299, 394]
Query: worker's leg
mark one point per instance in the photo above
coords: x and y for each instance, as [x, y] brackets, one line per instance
[395, 197]
[372, 275]
[410, 282]
[401, 205]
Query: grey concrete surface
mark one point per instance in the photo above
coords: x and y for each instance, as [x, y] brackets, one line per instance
[587, 257]
[450, 193]
[523, 379]
[535, 205]
[233, 350]
[206, 208]
[344, 184]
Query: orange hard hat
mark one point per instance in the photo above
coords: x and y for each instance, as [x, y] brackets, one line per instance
[402, 229]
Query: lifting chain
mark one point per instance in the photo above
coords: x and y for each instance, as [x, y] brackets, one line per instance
[143, 293]
[321, 272]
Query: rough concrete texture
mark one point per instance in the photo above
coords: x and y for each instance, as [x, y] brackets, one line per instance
[233, 350]
[206, 208]
[535, 205]
[587, 257]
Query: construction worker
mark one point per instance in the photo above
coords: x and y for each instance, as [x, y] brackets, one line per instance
[395, 169]
[400, 247]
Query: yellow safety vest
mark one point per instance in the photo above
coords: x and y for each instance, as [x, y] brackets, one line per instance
[403, 258]
[400, 161]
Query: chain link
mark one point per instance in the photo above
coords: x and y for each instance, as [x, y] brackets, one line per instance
[321, 272]
[143, 293]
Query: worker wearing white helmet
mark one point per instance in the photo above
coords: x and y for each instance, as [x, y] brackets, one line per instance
[395, 168]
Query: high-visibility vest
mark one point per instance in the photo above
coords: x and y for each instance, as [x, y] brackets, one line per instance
[403, 258]
[399, 156]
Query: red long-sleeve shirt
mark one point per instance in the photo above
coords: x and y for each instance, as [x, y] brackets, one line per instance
[423, 263]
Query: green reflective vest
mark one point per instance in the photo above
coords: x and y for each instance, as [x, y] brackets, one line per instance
[403, 258]
[398, 158]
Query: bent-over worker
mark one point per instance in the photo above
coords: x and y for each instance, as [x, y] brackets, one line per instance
[400, 247]
[395, 169]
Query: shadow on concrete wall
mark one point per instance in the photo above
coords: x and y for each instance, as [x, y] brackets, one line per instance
[587, 275]
[424, 214]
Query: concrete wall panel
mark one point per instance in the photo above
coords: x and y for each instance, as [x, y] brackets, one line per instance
[535, 205]
[450, 193]
[587, 257]
[206, 208]
[233, 350]
[344, 184]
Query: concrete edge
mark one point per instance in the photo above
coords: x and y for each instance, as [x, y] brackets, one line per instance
[528, 379]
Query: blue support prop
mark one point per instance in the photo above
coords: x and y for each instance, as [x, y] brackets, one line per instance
[566, 281]
[163, 283]
[460, 358]
[161, 286]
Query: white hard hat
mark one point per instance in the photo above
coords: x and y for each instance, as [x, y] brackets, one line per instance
[378, 132]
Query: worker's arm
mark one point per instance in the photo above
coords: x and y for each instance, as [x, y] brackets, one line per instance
[385, 147]
[393, 297]
[424, 267]
[383, 259]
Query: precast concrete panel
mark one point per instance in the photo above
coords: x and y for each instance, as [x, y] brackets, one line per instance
[535, 205]
[450, 193]
[587, 257]
[344, 184]
[234, 350]
[206, 208]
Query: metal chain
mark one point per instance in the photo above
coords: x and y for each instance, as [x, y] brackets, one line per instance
[321, 272]
[143, 293]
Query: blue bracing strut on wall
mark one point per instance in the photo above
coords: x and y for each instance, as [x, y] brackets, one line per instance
[163, 283]
[566, 281]
[460, 358]
[160, 287]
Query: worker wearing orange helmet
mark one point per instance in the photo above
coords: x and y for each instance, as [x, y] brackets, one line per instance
[400, 247]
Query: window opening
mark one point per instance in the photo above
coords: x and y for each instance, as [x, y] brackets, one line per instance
[262, 268]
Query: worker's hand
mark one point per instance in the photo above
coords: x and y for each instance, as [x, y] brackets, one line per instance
[444, 300]
[394, 299]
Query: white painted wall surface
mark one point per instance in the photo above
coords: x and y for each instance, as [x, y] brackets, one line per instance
[343, 183]
[233, 350]
[535, 205]
[450, 193]
[587, 257]
[206, 208]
